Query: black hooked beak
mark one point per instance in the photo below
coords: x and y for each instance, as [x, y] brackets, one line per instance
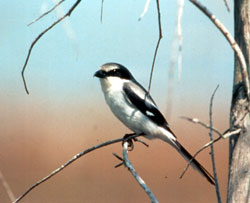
[100, 74]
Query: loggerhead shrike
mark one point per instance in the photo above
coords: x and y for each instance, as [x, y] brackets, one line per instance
[135, 108]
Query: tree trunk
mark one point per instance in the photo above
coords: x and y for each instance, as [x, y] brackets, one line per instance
[239, 145]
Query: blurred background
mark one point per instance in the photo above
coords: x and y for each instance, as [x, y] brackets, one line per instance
[65, 112]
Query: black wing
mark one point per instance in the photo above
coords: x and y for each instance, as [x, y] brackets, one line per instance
[145, 104]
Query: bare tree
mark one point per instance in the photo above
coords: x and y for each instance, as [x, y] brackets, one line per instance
[239, 145]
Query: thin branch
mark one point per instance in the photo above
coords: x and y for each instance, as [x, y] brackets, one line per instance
[231, 133]
[77, 156]
[227, 6]
[197, 121]
[40, 35]
[102, 10]
[46, 13]
[119, 158]
[7, 188]
[201, 149]
[157, 45]
[231, 41]
[226, 135]
[212, 147]
[130, 167]
[145, 10]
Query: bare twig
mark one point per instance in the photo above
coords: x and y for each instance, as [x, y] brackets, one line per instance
[212, 147]
[130, 167]
[227, 6]
[46, 13]
[40, 35]
[77, 156]
[145, 9]
[228, 134]
[197, 121]
[120, 158]
[201, 149]
[231, 41]
[7, 188]
[157, 45]
[225, 135]
[102, 10]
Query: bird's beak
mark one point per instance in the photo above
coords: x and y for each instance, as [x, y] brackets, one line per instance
[100, 74]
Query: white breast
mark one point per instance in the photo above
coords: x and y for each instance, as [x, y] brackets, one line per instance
[125, 111]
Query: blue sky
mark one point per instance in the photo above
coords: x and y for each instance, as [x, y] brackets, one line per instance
[61, 64]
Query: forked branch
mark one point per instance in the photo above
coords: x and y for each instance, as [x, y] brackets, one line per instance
[47, 12]
[226, 135]
[40, 35]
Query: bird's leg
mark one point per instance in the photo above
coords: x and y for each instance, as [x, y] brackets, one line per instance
[135, 139]
[127, 138]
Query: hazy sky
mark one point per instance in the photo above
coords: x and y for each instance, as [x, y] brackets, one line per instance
[64, 60]
[66, 104]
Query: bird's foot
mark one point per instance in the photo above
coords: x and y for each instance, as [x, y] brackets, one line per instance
[129, 138]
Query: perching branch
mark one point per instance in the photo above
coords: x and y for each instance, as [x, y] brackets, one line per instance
[39, 36]
[130, 167]
[77, 156]
[157, 45]
[212, 147]
[231, 41]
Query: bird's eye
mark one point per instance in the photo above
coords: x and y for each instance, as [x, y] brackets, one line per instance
[115, 72]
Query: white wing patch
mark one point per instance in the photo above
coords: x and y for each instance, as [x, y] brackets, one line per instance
[149, 113]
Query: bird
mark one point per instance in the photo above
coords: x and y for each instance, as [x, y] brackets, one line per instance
[132, 104]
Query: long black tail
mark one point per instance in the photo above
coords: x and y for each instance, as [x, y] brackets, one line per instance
[195, 164]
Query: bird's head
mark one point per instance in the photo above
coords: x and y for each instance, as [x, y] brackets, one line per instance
[113, 75]
[109, 70]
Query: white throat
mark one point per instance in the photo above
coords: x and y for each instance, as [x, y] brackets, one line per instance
[112, 84]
